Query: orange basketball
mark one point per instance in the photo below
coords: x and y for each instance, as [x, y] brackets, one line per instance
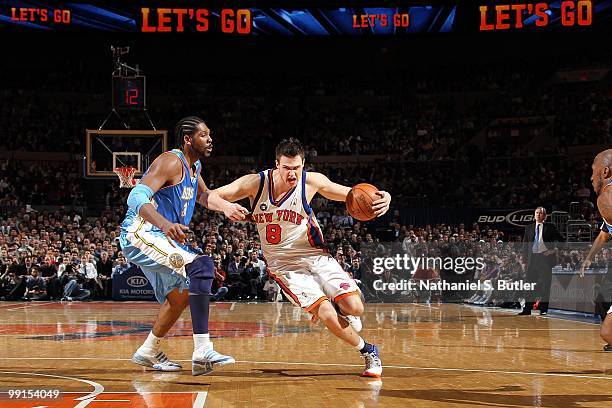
[359, 201]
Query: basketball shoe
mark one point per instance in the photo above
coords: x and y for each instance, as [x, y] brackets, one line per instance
[373, 365]
[204, 361]
[158, 362]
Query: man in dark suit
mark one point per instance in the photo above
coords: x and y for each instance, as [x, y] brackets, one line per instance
[540, 257]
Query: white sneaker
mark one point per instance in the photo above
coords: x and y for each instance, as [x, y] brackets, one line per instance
[353, 321]
[373, 365]
[204, 361]
[159, 362]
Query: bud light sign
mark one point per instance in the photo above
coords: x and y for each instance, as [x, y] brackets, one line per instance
[507, 219]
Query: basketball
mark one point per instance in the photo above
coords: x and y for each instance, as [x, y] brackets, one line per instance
[359, 201]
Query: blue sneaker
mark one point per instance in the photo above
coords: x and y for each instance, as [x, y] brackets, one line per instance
[373, 365]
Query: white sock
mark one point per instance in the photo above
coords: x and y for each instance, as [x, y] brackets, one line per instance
[151, 345]
[360, 345]
[201, 341]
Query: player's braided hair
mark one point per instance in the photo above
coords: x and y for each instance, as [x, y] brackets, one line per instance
[185, 127]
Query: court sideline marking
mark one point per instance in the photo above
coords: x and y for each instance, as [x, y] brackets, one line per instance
[465, 370]
[200, 399]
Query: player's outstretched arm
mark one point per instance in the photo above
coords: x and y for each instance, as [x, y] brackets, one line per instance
[327, 188]
[599, 242]
[213, 201]
[243, 187]
[167, 168]
[321, 184]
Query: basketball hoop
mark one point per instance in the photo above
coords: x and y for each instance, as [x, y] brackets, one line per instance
[126, 176]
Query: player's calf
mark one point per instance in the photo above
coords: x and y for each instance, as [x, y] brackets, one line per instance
[149, 354]
[326, 312]
[201, 273]
[176, 302]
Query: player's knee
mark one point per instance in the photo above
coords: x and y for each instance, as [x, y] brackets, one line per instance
[357, 310]
[325, 312]
[201, 273]
[201, 267]
[351, 306]
[200, 286]
[178, 300]
[183, 300]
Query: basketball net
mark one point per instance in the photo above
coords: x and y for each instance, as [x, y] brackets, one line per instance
[126, 176]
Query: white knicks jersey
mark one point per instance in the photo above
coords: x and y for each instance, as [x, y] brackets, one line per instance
[287, 228]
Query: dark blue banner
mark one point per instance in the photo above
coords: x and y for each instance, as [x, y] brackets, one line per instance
[132, 285]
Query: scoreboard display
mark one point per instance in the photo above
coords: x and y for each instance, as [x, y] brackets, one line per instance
[354, 18]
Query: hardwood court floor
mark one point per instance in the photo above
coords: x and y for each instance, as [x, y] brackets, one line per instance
[438, 356]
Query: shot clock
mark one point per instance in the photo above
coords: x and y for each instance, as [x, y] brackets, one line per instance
[129, 92]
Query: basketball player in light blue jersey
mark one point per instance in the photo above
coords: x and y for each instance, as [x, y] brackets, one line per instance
[602, 180]
[153, 237]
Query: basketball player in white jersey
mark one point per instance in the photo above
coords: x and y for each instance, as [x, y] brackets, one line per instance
[602, 179]
[293, 245]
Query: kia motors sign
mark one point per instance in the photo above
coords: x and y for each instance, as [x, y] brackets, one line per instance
[137, 281]
[132, 285]
[571, 292]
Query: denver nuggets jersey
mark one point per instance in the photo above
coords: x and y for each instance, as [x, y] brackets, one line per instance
[605, 226]
[175, 203]
[287, 228]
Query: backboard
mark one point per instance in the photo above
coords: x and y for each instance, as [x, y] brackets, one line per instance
[108, 149]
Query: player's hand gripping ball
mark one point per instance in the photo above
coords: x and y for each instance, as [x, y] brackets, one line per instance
[360, 202]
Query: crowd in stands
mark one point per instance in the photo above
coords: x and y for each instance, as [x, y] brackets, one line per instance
[56, 255]
[472, 139]
[62, 255]
[419, 116]
[40, 183]
[497, 133]
[551, 181]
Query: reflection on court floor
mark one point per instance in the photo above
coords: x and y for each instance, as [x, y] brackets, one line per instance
[438, 355]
